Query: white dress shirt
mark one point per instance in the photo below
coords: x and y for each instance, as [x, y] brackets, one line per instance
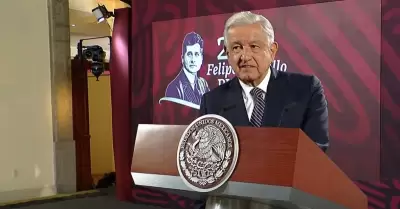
[248, 98]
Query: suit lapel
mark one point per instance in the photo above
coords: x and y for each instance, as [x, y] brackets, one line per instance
[237, 114]
[275, 99]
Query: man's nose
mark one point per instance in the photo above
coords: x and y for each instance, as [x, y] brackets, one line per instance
[246, 55]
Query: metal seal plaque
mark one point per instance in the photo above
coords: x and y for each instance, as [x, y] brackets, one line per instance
[207, 153]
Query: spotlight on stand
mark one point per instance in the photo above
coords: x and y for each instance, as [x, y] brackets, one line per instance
[96, 55]
[101, 13]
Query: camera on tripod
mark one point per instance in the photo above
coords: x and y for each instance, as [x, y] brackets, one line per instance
[96, 55]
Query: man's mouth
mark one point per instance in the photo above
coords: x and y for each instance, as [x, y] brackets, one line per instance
[246, 66]
[192, 66]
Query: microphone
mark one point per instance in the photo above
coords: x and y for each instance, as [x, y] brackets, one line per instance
[226, 108]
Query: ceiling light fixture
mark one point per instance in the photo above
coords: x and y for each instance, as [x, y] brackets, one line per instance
[101, 13]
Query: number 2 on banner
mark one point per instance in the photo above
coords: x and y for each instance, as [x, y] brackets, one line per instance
[222, 54]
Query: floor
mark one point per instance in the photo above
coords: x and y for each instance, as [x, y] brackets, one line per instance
[101, 202]
[105, 199]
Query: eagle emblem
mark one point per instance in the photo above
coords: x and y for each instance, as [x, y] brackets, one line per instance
[207, 153]
[209, 144]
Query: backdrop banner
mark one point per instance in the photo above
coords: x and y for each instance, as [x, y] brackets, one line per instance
[338, 42]
[329, 40]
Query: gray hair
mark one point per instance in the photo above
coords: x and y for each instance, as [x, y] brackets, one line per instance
[247, 18]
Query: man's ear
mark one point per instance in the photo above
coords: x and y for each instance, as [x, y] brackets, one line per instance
[274, 49]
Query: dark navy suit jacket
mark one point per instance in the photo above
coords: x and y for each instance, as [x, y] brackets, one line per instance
[292, 101]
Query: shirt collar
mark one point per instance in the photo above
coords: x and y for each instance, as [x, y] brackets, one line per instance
[188, 75]
[263, 85]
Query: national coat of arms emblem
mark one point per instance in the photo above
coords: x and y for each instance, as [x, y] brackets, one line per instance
[207, 153]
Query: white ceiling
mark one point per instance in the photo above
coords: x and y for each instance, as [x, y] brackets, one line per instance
[82, 5]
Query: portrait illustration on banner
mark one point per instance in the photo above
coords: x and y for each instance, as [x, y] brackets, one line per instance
[188, 87]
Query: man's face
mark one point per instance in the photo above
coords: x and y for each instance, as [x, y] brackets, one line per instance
[193, 58]
[249, 53]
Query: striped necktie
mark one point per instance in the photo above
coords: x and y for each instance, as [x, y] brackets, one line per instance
[259, 105]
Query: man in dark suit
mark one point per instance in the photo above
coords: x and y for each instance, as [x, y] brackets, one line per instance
[260, 95]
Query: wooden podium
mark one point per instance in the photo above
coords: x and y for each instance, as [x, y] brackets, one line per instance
[276, 166]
